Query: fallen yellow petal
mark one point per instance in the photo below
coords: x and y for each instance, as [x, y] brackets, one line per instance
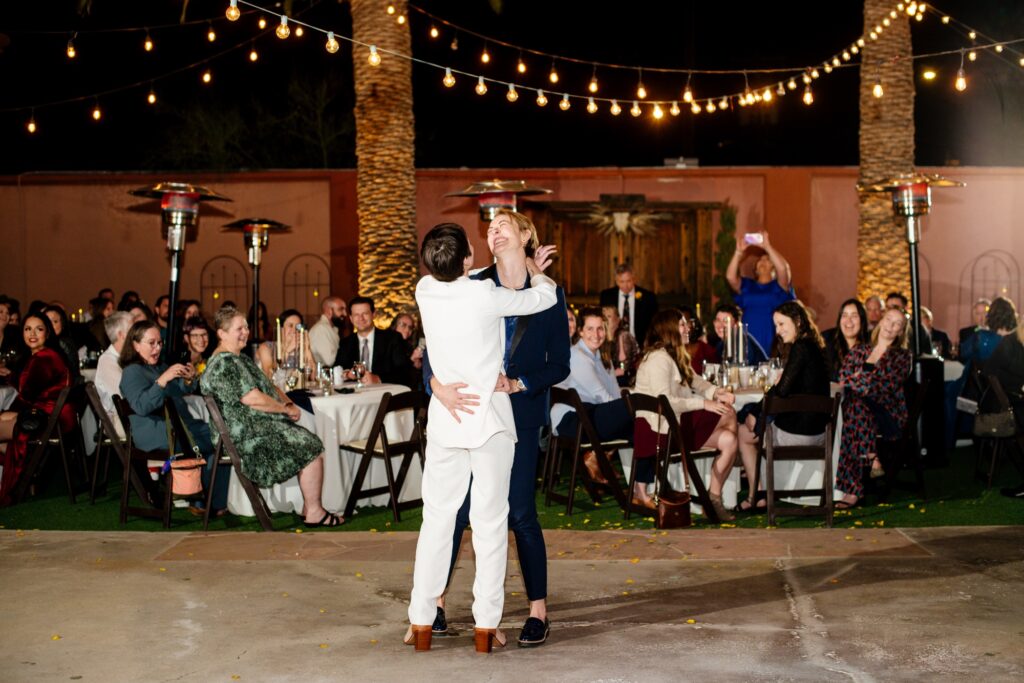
[859, 523]
[834, 581]
[847, 538]
[359, 575]
[284, 595]
[911, 506]
[923, 510]
[625, 592]
[236, 677]
[323, 646]
[634, 560]
[55, 637]
[323, 611]
[691, 621]
[630, 581]
[298, 531]
[727, 526]
[163, 569]
[514, 593]
[373, 641]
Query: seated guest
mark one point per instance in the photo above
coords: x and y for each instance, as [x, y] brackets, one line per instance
[138, 311]
[145, 384]
[622, 347]
[290, 322]
[1007, 363]
[127, 299]
[262, 421]
[573, 333]
[325, 334]
[726, 315]
[697, 347]
[62, 329]
[197, 342]
[101, 308]
[850, 331]
[707, 418]
[939, 340]
[108, 368]
[874, 403]
[635, 305]
[978, 314]
[10, 339]
[874, 308]
[591, 375]
[405, 325]
[802, 352]
[43, 377]
[381, 351]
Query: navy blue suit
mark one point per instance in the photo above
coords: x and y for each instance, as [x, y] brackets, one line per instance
[539, 355]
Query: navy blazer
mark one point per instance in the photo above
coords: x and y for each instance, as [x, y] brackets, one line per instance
[539, 355]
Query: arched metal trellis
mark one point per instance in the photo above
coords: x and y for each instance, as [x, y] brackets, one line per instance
[991, 274]
[305, 283]
[224, 278]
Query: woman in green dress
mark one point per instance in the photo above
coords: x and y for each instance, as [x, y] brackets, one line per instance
[262, 421]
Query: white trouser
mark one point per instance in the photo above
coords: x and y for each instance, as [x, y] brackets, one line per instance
[445, 481]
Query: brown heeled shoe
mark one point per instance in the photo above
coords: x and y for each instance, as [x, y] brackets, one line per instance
[486, 638]
[643, 503]
[593, 468]
[418, 636]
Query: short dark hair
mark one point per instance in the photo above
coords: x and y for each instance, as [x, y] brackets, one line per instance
[360, 300]
[732, 309]
[623, 268]
[444, 251]
[898, 295]
[159, 300]
[291, 313]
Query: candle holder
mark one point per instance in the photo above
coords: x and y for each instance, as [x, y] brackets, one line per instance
[494, 195]
[256, 238]
[179, 208]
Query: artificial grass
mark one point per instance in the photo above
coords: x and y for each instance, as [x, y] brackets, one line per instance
[956, 498]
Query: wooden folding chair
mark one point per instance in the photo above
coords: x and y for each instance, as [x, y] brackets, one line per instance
[155, 507]
[997, 446]
[39, 446]
[803, 403]
[107, 441]
[378, 445]
[674, 451]
[905, 452]
[227, 454]
[584, 439]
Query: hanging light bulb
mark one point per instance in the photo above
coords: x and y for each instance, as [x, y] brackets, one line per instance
[972, 55]
[615, 108]
[232, 12]
[299, 31]
[71, 49]
[710, 107]
[401, 19]
[723, 103]
[542, 99]
[434, 33]
[211, 35]
[1021, 61]
[564, 104]
[808, 95]
[814, 73]
[553, 76]
[835, 61]
[641, 91]
[592, 87]
[391, 9]
[657, 112]
[912, 9]
[780, 90]
[791, 84]
[332, 43]
[282, 29]
[873, 35]
[96, 113]
[373, 58]
[635, 109]
[846, 55]
[485, 56]
[687, 93]
[262, 23]
[886, 22]
[767, 95]
[253, 55]
[207, 77]
[147, 44]
[695, 108]
[591, 106]
[827, 68]
[521, 66]
[928, 74]
[511, 95]
[151, 97]
[31, 125]
[860, 42]
[449, 79]
[877, 90]
[945, 20]
[481, 87]
[999, 48]
[674, 109]
[854, 49]
[807, 79]
[961, 80]
[454, 45]
[972, 35]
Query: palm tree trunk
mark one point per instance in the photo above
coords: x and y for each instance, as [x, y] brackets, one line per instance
[886, 149]
[386, 180]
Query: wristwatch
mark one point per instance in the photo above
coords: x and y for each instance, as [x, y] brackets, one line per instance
[520, 384]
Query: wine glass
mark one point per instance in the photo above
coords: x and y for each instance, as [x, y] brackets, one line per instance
[359, 370]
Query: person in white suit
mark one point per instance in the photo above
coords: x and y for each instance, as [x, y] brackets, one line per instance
[463, 324]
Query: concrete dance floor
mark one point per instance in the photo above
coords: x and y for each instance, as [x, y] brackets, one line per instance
[716, 605]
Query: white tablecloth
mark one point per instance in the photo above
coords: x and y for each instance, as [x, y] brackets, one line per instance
[952, 370]
[338, 419]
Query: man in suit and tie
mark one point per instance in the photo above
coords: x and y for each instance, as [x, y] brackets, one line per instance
[978, 314]
[381, 351]
[636, 305]
[464, 324]
[939, 340]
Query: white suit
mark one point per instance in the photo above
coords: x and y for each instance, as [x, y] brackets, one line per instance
[464, 326]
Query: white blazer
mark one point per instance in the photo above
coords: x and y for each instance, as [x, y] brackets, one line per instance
[465, 331]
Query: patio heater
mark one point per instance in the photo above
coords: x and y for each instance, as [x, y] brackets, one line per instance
[911, 200]
[256, 237]
[493, 195]
[179, 205]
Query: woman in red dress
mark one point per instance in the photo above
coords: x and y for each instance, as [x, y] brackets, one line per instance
[41, 380]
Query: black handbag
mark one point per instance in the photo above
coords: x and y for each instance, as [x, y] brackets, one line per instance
[31, 421]
[999, 425]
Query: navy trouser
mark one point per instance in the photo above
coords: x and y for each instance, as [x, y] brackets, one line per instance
[522, 517]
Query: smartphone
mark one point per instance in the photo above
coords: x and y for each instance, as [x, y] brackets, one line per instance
[753, 238]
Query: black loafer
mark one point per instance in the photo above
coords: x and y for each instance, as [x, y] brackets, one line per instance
[440, 627]
[535, 632]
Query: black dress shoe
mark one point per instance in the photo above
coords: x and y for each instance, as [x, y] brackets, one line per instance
[440, 627]
[1014, 492]
[535, 632]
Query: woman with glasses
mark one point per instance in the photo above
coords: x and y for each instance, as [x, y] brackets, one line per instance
[197, 342]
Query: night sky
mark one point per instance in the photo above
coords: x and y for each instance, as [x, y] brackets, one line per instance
[260, 115]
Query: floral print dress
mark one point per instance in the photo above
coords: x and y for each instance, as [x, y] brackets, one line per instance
[868, 390]
[272, 447]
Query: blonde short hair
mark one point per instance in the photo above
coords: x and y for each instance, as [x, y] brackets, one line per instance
[524, 224]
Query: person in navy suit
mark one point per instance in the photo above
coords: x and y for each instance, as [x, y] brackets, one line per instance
[536, 358]
[636, 305]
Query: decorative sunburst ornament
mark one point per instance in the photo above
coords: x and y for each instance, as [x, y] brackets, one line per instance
[624, 214]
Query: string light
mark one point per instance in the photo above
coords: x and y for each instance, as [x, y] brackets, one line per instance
[780, 90]
[972, 35]
[945, 20]
[674, 109]
[723, 103]
[31, 125]
[641, 91]
[767, 95]
[999, 48]
[657, 113]
[373, 58]
[454, 45]
[299, 32]
[961, 80]
[232, 12]
[854, 49]
[846, 55]
[814, 73]
[211, 35]
[485, 57]
[695, 108]
[710, 107]
[511, 95]
[635, 109]
[553, 76]
[147, 44]
[391, 9]
[877, 90]
[253, 55]
[928, 75]
[282, 29]
[207, 77]
[564, 104]
[262, 23]
[449, 79]
[521, 66]
[332, 43]
[615, 108]
[401, 19]
[972, 55]
[96, 113]
[71, 48]
[542, 99]
[591, 106]
[808, 95]
[592, 87]
[481, 87]
[151, 97]
[791, 85]
[1022, 61]
[687, 93]
[434, 33]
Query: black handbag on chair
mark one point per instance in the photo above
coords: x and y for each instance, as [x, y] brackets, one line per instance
[31, 421]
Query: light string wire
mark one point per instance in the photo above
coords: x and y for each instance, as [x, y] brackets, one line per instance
[123, 29]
